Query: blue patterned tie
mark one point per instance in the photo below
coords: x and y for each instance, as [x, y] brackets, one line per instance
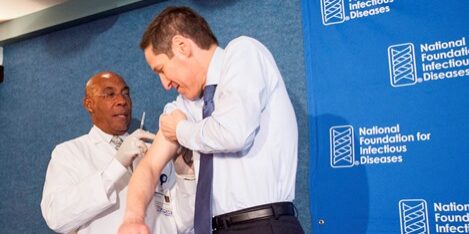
[203, 211]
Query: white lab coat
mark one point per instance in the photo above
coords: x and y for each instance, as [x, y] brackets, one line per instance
[85, 191]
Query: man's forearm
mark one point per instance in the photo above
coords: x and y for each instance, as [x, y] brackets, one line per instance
[145, 177]
[141, 187]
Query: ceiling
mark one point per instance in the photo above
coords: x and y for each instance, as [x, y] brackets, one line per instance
[11, 9]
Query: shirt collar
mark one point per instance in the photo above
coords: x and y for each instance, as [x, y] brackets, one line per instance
[215, 67]
[98, 135]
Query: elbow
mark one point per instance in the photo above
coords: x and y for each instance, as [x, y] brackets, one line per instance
[55, 224]
[56, 227]
[227, 136]
[52, 218]
[235, 146]
[236, 142]
[52, 222]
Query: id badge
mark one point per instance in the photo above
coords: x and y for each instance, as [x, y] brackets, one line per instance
[163, 204]
[161, 196]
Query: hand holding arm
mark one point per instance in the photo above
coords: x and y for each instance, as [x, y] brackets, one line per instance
[169, 122]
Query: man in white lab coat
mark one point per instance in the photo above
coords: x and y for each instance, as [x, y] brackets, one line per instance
[85, 189]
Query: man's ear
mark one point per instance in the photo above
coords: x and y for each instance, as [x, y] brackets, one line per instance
[181, 45]
[88, 104]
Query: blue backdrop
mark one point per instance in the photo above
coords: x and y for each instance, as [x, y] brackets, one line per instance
[388, 108]
[40, 99]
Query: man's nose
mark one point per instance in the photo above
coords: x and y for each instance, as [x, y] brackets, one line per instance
[122, 99]
[166, 83]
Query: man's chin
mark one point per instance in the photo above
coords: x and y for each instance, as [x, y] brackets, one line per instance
[122, 128]
[191, 98]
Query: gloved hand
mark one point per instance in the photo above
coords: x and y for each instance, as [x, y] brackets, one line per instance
[133, 146]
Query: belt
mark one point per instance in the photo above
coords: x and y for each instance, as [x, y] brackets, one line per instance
[253, 214]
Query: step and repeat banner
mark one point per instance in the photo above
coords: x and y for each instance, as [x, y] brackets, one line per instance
[388, 107]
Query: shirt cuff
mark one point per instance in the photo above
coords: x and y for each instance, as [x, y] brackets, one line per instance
[112, 173]
[180, 133]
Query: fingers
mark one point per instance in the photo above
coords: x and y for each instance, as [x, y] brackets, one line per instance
[146, 135]
[164, 118]
[178, 112]
[141, 134]
[142, 147]
[175, 115]
[133, 229]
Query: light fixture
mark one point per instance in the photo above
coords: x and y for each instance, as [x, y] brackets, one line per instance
[1, 64]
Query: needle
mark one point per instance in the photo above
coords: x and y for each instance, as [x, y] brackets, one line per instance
[142, 120]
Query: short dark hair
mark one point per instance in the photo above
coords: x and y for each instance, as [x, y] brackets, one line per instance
[177, 21]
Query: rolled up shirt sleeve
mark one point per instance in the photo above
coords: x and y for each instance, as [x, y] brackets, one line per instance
[239, 99]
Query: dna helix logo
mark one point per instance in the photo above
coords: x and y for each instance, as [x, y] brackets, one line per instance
[332, 11]
[341, 146]
[413, 215]
[402, 68]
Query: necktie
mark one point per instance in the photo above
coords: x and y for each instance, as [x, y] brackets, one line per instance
[116, 141]
[203, 211]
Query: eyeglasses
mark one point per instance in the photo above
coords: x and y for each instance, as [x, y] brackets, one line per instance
[111, 95]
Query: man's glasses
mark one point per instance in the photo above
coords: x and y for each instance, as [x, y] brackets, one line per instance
[111, 95]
